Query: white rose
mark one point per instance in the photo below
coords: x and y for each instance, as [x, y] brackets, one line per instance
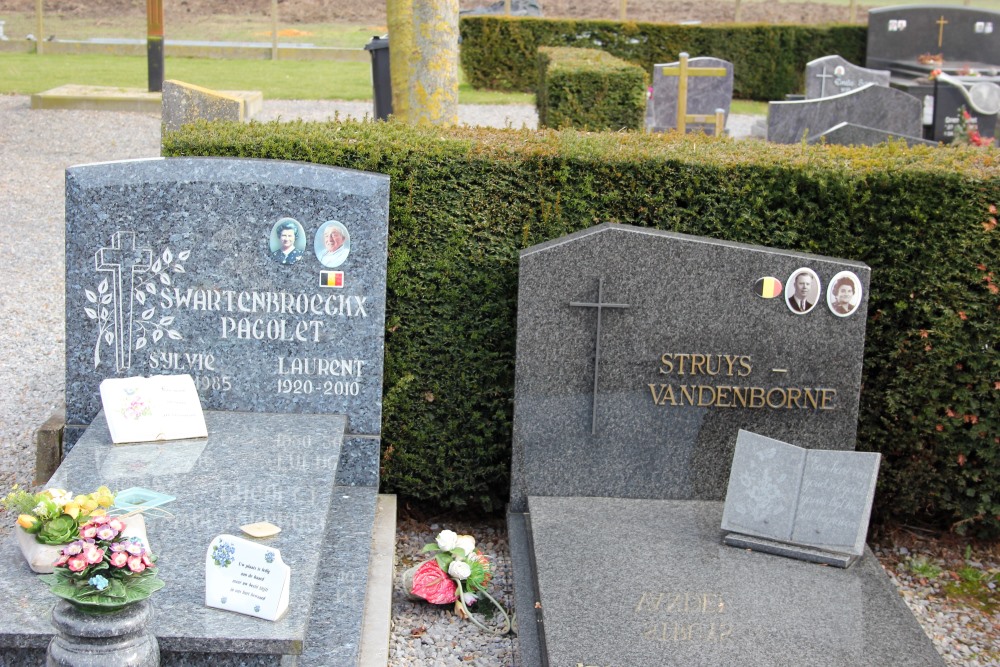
[466, 542]
[459, 570]
[446, 540]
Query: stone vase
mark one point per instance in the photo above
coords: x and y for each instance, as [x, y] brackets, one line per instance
[92, 638]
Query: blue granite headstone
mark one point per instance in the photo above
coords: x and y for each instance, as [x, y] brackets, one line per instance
[176, 266]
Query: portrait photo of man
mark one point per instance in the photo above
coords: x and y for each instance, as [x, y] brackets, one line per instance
[288, 241]
[332, 244]
[802, 291]
[844, 294]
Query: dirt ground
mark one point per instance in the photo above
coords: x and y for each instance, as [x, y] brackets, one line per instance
[368, 11]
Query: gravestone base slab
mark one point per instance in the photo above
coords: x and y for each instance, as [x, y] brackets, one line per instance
[615, 581]
[297, 471]
[776, 548]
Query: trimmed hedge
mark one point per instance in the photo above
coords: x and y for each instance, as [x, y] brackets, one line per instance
[465, 201]
[769, 61]
[589, 89]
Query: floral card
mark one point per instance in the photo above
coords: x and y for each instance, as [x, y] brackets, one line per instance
[162, 407]
[246, 577]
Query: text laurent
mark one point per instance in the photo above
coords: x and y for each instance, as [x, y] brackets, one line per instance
[312, 366]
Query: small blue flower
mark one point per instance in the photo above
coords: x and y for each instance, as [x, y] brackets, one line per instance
[256, 608]
[223, 599]
[223, 553]
[98, 582]
[269, 557]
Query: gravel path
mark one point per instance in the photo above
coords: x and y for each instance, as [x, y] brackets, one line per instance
[35, 149]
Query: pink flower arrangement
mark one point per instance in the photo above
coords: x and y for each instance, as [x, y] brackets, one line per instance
[104, 567]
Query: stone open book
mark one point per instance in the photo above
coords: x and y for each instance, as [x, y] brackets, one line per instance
[815, 498]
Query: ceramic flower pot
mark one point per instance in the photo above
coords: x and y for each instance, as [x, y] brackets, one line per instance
[40, 557]
[92, 638]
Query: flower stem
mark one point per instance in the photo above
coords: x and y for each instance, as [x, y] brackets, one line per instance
[506, 618]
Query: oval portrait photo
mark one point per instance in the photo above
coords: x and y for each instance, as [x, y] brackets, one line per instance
[843, 296]
[288, 241]
[802, 291]
[332, 244]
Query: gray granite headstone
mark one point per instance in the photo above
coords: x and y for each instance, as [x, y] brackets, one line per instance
[963, 36]
[815, 498]
[832, 75]
[848, 134]
[649, 582]
[705, 94]
[175, 266]
[877, 107]
[641, 353]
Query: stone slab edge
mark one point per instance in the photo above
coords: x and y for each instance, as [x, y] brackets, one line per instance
[48, 446]
[376, 627]
[220, 50]
[789, 550]
[100, 98]
[527, 617]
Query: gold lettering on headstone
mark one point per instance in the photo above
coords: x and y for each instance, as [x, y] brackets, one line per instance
[704, 395]
[689, 616]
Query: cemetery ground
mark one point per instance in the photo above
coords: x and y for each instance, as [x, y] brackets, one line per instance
[950, 583]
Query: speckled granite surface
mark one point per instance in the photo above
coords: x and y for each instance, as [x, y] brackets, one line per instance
[252, 467]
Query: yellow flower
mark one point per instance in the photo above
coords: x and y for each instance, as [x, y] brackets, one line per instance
[26, 521]
[97, 512]
[88, 505]
[73, 509]
[103, 496]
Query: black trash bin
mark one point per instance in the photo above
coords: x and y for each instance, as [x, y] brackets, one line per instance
[381, 83]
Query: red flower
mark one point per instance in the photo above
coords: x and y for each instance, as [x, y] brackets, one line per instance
[432, 584]
[119, 559]
[135, 564]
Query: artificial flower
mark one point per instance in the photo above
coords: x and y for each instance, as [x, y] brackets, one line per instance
[447, 540]
[77, 564]
[432, 584]
[467, 543]
[28, 522]
[459, 569]
[98, 582]
[59, 530]
[469, 599]
[135, 564]
[119, 559]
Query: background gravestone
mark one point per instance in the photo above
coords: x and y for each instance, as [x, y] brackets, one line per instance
[170, 269]
[964, 36]
[679, 336]
[832, 75]
[705, 95]
[876, 107]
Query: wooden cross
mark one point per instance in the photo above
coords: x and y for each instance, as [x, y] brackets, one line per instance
[941, 24]
[600, 305]
[123, 261]
[822, 81]
[682, 72]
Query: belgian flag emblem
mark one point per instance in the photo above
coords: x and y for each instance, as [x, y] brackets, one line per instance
[767, 288]
[331, 278]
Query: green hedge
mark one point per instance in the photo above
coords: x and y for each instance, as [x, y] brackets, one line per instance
[589, 89]
[769, 61]
[465, 201]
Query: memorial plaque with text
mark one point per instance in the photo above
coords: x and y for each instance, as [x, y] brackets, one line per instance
[264, 280]
[815, 498]
[642, 353]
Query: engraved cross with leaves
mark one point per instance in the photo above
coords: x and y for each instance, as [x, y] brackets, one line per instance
[147, 327]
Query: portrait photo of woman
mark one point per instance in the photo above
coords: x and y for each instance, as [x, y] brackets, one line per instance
[843, 296]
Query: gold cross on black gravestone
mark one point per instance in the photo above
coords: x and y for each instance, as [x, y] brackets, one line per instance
[600, 305]
[942, 22]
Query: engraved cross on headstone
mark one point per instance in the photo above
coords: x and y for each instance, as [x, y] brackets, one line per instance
[600, 305]
[823, 76]
[123, 260]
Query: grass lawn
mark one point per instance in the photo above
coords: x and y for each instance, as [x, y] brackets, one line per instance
[278, 80]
